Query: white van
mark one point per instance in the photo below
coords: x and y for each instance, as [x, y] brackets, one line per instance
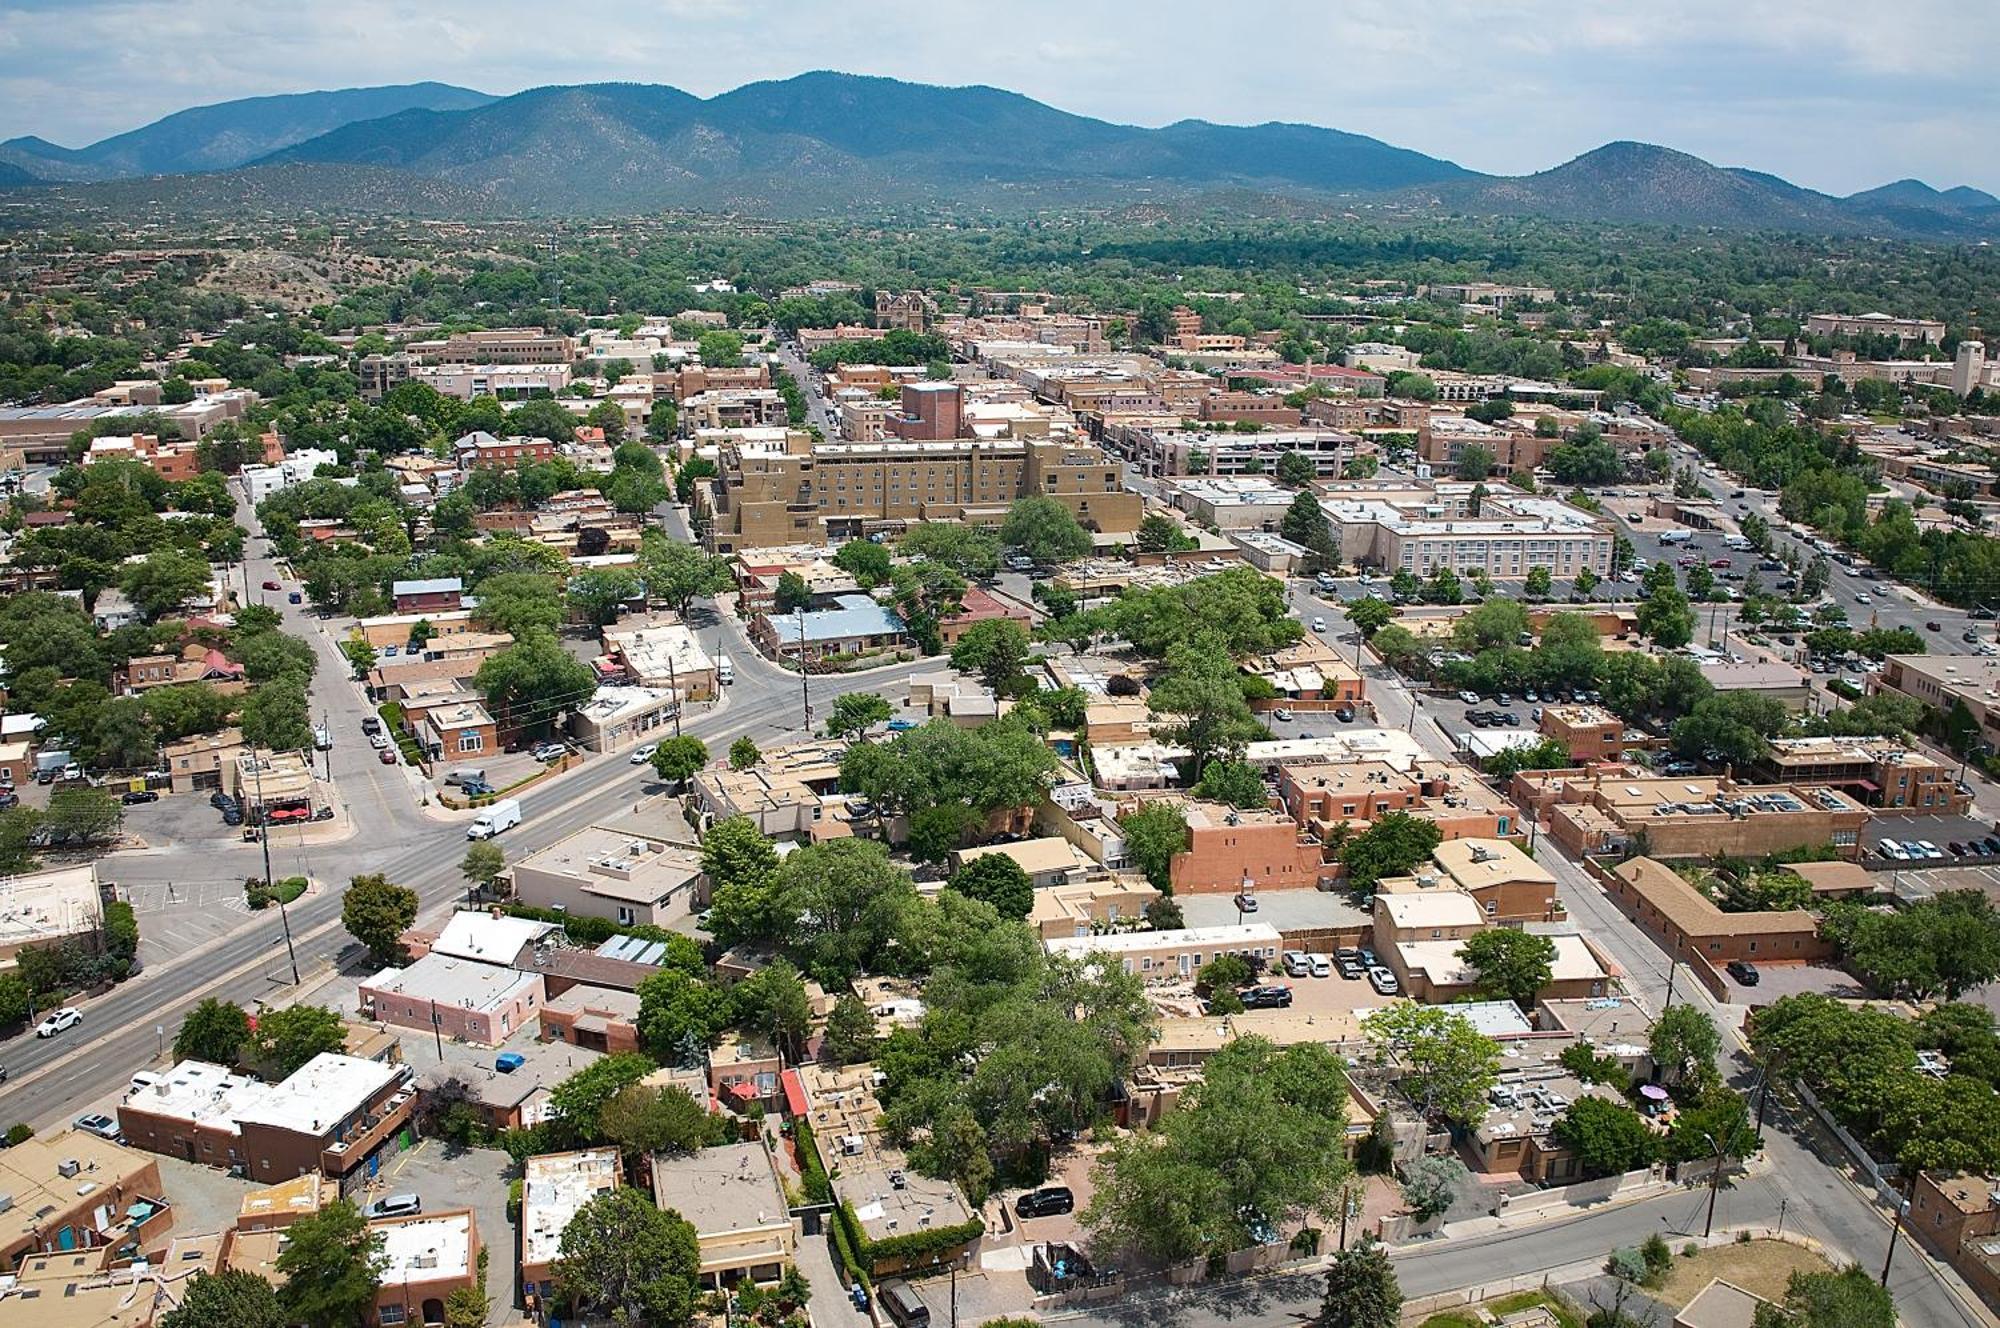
[502, 815]
[724, 670]
[1677, 535]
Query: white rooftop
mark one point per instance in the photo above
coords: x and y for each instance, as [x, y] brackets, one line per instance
[1431, 908]
[476, 935]
[553, 1188]
[206, 1094]
[425, 1249]
[320, 1094]
[1250, 936]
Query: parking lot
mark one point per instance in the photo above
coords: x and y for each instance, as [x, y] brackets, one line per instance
[1775, 981]
[1942, 831]
[446, 1177]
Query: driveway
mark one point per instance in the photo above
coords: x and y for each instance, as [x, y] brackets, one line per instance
[444, 1177]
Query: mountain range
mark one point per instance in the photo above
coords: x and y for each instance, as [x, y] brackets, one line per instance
[845, 142]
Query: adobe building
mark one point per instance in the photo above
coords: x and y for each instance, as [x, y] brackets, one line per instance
[75, 1191]
[1687, 922]
[732, 1197]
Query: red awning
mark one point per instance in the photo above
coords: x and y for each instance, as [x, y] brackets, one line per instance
[743, 1090]
[795, 1093]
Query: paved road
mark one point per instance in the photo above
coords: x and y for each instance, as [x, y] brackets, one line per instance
[1810, 1176]
[50, 1079]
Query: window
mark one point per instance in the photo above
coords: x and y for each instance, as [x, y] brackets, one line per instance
[392, 1314]
[626, 917]
[470, 740]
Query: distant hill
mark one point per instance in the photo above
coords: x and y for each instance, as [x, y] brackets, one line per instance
[829, 141]
[836, 139]
[228, 134]
[13, 177]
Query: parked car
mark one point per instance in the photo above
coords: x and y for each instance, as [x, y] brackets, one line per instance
[1283, 714]
[1383, 981]
[901, 725]
[104, 1127]
[232, 815]
[133, 797]
[395, 1205]
[1470, 698]
[1245, 903]
[272, 585]
[1891, 850]
[9, 798]
[371, 723]
[1345, 714]
[378, 740]
[1933, 626]
[553, 751]
[1743, 971]
[1265, 998]
[1322, 967]
[295, 598]
[387, 756]
[1048, 1201]
[1930, 850]
[58, 1020]
[1992, 844]
[1350, 967]
[1297, 965]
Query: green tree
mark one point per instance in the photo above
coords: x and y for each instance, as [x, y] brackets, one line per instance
[636, 1263]
[277, 718]
[1370, 615]
[1716, 1119]
[1513, 965]
[289, 1036]
[482, 864]
[641, 1120]
[214, 1031]
[925, 592]
[679, 573]
[1260, 1143]
[521, 604]
[1159, 533]
[850, 1032]
[864, 560]
[1045, 530]
[1234, 782]
[855, 713]
[969, 551]
[1202, 692]
[164, 581]
[332, 1266]
[1539, 584]
[680, 1016]
[376, 912]
[720, 350]
[743, 753]
[1154, 834]
[792, 593]
[1448, 1065]
[1607, 1138]
[1475, 462]
[533, 681]
[1391, 846]
[1664, 616]
[1432, 1184]
[1305, 523]
[773, 1002]
[1849, 1298]
[1361, 1289]
[676, 760]
[998, 880]
[228, 1299]
[577, 1103]
[599, 595]
[1296, 470]
[1684, 1044]
[996, 650]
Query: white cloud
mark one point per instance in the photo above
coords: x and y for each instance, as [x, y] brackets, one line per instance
[1838, 95]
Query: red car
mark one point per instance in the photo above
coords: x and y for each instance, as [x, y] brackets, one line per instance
[1719, 563]
[272, 585]
[387, 755]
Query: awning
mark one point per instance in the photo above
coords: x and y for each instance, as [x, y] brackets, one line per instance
[743, 1090]
[795, 1093]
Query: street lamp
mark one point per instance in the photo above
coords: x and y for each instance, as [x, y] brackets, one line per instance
[1714, 1184]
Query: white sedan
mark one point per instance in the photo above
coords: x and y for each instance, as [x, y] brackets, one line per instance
[67, 1017]
[644, 754]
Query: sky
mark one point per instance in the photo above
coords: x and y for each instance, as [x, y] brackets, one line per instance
[1835, 95]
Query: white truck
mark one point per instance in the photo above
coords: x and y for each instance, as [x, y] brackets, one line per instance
[1678, 535]
[725, 672]
[502, 815]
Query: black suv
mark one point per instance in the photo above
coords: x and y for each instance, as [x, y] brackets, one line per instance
[1046, 1202]
[1743, 971]
[1265, 998]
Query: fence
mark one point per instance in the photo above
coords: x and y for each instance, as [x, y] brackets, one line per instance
[1416, 1311]
[1876, 1171]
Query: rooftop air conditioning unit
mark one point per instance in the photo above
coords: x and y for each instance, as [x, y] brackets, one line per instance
[68, 1167]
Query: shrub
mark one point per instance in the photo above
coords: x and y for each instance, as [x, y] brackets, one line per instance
[19, 1133]
[1626, 1264]
[1656, 1254]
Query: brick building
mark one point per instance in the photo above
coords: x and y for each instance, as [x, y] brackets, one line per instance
[1685, 921]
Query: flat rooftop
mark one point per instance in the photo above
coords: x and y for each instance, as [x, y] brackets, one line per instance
[444, 980]
[730, 1188]
[426, 1248]
[554, 1186]
[203, 1093]
[617, 864]
[47, 904]
[1251, 935]
[321, 1093]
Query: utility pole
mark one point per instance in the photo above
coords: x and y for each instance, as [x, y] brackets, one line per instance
[1673, 966]
[805, 687]
[1714, 1184]
[1896, 1232]
[674, 683]
[264, 838]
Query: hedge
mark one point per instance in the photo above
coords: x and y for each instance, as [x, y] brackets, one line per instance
[910, 1247]
[843, 1246]
[812, 1171]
